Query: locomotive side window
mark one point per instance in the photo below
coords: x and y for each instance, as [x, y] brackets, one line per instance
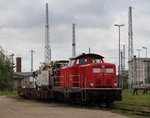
[97, 60]
[81, 61]
[71, 62]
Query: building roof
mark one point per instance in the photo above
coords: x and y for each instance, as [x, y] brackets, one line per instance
[140, 59]
[23, 74]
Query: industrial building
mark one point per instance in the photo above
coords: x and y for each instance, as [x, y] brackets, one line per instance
[23, 79]
[139, 71]
[20, 78]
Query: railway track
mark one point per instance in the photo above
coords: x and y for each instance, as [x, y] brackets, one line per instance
[136, 112]
[141, 105]
[145, 114]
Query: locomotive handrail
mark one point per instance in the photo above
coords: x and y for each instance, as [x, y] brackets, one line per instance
[77, 81]
[58, 76]
[65, 80]
[57, 81]
[75, 75]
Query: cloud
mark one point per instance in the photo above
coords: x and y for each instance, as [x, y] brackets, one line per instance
[22, 27]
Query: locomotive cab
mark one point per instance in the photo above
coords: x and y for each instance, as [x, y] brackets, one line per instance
[88, 71]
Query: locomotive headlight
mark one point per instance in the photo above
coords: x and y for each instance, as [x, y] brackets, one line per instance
[103, 66]
[91, 83]
[115, 83]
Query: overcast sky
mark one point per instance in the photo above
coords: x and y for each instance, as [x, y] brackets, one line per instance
[22, 27]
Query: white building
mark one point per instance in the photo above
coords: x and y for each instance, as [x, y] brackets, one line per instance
[139, 71]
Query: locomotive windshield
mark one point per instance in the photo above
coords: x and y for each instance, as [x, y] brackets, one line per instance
[97, 60]
[81, 61]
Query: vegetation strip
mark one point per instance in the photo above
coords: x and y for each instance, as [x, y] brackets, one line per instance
[142, 105]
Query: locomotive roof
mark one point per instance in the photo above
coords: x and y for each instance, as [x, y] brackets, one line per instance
[88, 55]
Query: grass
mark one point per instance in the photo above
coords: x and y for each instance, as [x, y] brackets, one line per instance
[8, 93]
[134, 102]
[14, 95]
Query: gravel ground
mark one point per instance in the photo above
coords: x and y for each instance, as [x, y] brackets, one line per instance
[13, 108]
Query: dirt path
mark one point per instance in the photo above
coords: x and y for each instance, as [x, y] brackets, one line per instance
[12, 108]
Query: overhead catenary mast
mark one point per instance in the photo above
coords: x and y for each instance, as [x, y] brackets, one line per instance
[47, 52]
[131, 66]
[73, 41]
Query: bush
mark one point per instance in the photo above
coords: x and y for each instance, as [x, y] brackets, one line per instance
[6, 71]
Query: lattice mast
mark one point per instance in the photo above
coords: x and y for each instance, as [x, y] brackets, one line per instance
[130, 36]
[73, 41]
[47, 52]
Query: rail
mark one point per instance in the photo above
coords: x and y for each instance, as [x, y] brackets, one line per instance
[136, 112]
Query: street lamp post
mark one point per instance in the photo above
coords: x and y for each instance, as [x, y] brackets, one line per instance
[138, 52]
[146, 50]
[119, 54]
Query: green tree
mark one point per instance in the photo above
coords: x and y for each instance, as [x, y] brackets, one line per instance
[6, 71]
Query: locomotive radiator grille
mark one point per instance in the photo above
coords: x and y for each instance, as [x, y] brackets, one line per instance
[108, 82]
[98, 82]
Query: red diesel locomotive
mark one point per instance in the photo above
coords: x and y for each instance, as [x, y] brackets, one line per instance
[85, 79]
